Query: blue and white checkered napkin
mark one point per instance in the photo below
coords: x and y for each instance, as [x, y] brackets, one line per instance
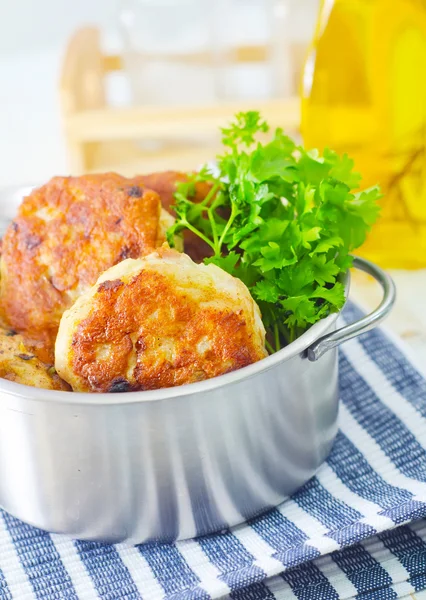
[344, 535]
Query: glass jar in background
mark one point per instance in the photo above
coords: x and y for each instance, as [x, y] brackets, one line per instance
[169, 51]
[194, 52]
[263, 44]
[364, 93]
[247, 43]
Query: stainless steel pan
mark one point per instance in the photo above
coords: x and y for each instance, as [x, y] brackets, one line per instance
[179, 462]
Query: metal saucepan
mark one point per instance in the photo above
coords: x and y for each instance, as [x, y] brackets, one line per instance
[180, 462]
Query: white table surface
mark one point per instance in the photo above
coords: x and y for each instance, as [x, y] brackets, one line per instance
[408, 318]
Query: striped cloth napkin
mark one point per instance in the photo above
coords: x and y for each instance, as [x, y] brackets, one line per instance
[354, 530]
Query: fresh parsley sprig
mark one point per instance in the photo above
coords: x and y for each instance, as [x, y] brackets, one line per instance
[282, 219]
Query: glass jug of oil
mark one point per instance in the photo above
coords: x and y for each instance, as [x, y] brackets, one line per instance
[364, 93]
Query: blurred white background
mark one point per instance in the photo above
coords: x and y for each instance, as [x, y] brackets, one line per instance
[33, 37]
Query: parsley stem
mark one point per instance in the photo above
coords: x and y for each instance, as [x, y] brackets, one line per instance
[269, 347]
[277, 338]
[234, 212]
[284, 331]
[218, 200]
[213, 226]
[200, 235]
[211, 193]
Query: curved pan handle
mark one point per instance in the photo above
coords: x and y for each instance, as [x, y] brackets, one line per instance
[335, 338]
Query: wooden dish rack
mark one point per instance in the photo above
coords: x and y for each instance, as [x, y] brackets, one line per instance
[102, 138]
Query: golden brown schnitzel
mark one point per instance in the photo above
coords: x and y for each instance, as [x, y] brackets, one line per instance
[65, 235]
[159, 321]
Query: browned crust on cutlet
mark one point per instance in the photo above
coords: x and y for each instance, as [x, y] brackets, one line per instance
[140, 320]
[65, 235]
[19, 364]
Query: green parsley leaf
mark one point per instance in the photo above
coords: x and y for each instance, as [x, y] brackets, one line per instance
[227, 263]
[282, 219]
[323, 271]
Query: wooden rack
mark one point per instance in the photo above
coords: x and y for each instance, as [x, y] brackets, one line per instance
[103, 138]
